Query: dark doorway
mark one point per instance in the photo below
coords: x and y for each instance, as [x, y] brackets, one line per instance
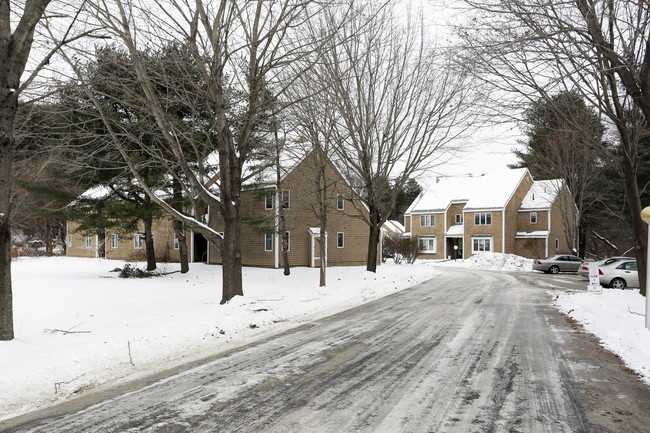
[200, 248]
[455, 253]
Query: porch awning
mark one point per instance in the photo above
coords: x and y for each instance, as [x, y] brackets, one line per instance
[532, 234]
[455, 231]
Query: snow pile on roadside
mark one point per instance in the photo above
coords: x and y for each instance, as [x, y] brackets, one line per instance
[77, 325]
[493, 261]
[617, 318]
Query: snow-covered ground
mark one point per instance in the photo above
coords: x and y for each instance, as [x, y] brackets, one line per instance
[79, 326]
[617, 317]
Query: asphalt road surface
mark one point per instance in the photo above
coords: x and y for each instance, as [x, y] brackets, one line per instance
[470, 351]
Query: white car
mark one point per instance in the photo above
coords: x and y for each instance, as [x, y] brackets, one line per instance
[619, 274]
[584, 268]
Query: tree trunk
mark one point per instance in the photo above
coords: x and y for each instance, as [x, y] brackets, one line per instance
[149, 244]
[182, 246]
[48, 238]
[373, 240]
[639, 227]
[231, 255]
[7, 114]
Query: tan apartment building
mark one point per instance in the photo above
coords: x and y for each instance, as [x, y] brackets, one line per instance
[504, 211]
[347, 234]
[346, 238]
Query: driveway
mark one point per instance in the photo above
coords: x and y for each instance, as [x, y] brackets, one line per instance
[469, 351]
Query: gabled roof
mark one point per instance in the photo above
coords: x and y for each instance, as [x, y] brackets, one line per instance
[394, 226]
[541, 195]
[489, 191]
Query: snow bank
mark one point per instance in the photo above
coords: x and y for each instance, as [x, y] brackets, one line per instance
[77, 325]
[617, 318]
[493, 261]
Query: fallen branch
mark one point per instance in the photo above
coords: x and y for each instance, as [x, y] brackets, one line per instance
[634, 312]
[130, 358]
[57, 385]
[65, 332]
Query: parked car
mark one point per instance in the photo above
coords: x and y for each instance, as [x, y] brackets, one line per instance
[584, 269]
[619, 275]
[558, 263]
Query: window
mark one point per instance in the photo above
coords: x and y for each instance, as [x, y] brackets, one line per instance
[483, 219]
[340, 240]
[427, 220]
[339, 202]
[69, 240]
[533, 217]
[89, 241]
[268, 202]
[115, 241]
[481, 244]
[138, 241]
[427, 244]
[557, 244]
[268, 241]
[459, 218]
[286, 199]
[177, 244]
[628, 266]
[287, 238]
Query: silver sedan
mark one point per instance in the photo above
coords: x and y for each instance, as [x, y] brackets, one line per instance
[558, 263]
[619, 275]
[584, 268]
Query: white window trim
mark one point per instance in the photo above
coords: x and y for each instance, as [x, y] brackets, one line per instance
[428, 238]
[177, 242]
[428, 219]
[557, 244]
[286, 193]
[138, 241]
[482, 238]
[477, 216]
[533, 217]
[340, 202]
[89, 241]
[459, 218]
[69, 240]
[115, 241]
[268, 236]
[340, 236]
[268, 206]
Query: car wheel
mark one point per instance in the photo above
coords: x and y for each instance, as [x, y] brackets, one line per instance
[618, 283]
[554, 269]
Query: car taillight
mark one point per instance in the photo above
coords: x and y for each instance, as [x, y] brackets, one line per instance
[538, 262]
[600, 272]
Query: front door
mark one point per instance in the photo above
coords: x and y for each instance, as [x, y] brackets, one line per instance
[315, 248]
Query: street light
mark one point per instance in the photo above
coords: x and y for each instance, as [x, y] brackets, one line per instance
[645, 216]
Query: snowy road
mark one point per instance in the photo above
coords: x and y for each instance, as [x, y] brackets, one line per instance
[470, 351]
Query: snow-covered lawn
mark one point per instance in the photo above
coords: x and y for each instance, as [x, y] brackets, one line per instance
[79, 326]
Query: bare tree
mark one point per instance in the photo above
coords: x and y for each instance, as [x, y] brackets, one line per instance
[400, 105]
[241, 50]
[534, 48]
[18, 24]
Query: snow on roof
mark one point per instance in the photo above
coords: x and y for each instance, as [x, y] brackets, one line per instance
[455, 230]
[394, 226]
[489, 191]
[542, 194]
[96, 192]
[533, 234]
